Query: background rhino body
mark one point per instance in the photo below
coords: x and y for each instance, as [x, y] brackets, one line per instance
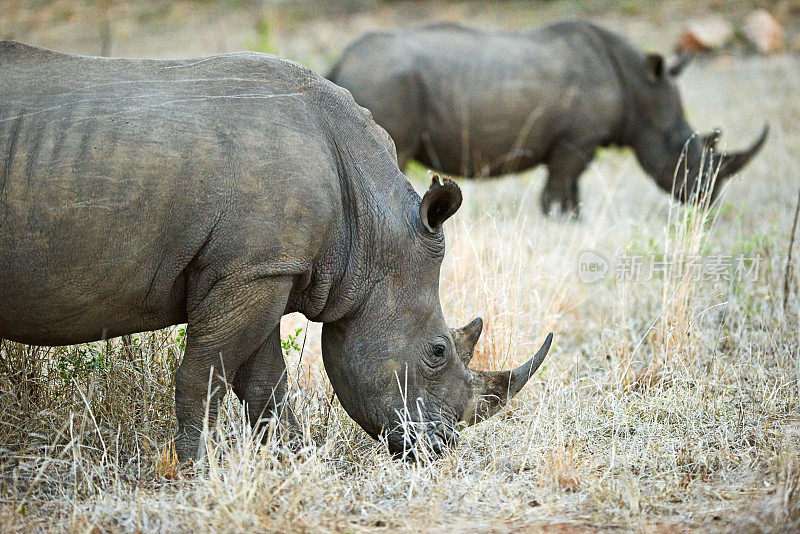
[476, 103]
[224, 192]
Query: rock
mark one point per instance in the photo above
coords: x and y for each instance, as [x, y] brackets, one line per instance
[761, 29]
[706, 34]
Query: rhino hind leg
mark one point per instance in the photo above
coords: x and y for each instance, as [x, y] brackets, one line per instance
[261, 383]
[227, 326]
[564, 168]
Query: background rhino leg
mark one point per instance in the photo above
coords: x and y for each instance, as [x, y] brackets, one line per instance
[261, 384]
[564, 167]
[227, 326]
[404, 132]
[403, 158]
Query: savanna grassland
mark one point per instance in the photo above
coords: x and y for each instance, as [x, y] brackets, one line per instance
[669, 402]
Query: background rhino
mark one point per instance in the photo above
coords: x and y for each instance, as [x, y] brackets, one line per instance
[479, 103]
[225, 192]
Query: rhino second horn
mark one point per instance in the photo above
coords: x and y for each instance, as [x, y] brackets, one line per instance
[680, 63]
[733, 163]
[466, 337]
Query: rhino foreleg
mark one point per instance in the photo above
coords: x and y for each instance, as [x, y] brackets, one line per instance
[261, 384]
[227, 326]
[564, 168]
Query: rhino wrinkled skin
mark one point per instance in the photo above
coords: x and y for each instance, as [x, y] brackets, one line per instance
[225, 192]
[482, 103]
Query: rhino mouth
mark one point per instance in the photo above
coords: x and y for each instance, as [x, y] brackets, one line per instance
[421, 439]
[704, 174]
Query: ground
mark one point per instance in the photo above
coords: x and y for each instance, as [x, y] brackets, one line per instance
[670, 400]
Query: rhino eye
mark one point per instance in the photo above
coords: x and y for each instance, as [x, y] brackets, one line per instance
[434, 358]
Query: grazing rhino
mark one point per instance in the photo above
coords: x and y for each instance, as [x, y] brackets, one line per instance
[225, 192]
[478, 103]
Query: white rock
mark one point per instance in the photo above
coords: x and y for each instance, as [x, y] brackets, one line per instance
[706, 34]
[763, 31]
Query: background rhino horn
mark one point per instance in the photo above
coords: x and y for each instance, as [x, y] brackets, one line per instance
[519, 376]
[732, 163]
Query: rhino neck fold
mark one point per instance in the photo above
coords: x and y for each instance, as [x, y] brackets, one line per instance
[375, 200]
[665, 154]
[621, 56]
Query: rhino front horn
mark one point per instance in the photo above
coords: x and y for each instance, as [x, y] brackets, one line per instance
[733, 163]
[520, 376]
[492, 390]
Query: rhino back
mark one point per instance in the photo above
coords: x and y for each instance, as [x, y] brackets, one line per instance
[116, 176]
[501, 92]
[471, 98]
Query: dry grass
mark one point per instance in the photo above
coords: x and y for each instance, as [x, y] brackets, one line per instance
[666, 402]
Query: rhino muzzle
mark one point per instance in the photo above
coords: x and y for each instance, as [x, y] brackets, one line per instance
[708, 170]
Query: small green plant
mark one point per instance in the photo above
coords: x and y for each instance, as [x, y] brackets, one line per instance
[757, 243]
[290, 343]
[79, 362]
[180, 338]
[265, 40]
[643, 244]
[631, 8]
[176, 347]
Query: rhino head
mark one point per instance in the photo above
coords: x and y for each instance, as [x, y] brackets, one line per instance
[687, 165]
[399, 371]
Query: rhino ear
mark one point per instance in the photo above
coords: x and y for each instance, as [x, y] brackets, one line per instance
[441, 201]
[654, 65]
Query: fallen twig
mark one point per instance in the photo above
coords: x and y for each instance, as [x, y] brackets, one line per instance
[788, 275]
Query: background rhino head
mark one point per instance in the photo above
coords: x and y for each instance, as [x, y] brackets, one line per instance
[687, 165]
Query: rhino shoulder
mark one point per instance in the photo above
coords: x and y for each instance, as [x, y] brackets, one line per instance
[446, 26]
[16, 51]
[362, 54]
[578, 28]
[562, 29]
[253, 65]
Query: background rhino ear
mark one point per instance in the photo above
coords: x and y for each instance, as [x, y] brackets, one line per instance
[679, 64]
[654, 65]
[442, 200]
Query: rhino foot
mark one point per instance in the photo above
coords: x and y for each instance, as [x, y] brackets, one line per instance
[560, 208]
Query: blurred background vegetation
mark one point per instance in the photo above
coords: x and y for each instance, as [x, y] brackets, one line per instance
[314, 32]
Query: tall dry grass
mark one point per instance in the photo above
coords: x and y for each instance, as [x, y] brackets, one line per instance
[666, 401]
